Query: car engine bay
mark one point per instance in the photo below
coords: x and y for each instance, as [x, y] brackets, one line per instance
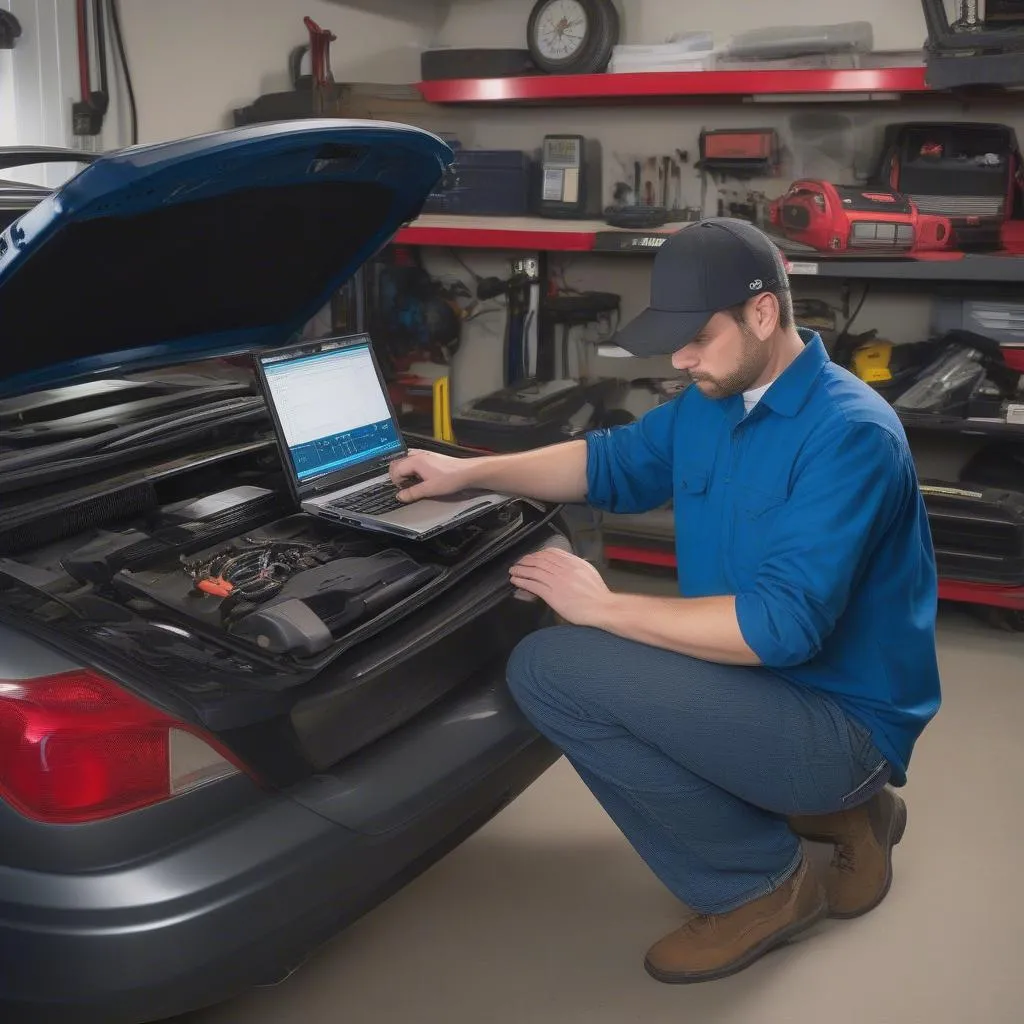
[241, 565]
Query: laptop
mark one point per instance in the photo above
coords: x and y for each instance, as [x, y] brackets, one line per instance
[338, 434]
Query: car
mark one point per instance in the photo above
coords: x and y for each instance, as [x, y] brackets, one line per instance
[848, 219]
[184, 812]
[16, 196]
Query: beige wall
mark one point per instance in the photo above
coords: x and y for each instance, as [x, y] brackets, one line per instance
[899, 24]
[195, 61]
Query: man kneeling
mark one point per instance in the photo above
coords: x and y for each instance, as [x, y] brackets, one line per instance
[785, 688]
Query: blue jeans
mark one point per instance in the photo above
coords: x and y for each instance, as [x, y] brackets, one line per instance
[698, 764]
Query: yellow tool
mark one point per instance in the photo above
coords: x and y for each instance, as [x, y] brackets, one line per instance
[871, 363]
[443, 411]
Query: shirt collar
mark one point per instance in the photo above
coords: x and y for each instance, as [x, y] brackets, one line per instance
[789, 391]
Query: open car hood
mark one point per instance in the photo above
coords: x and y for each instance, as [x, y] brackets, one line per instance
[208, 246]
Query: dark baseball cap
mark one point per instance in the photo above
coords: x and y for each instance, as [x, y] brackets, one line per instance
[701, 270]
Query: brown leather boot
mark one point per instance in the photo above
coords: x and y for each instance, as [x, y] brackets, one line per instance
[711, 946]
[861, 871]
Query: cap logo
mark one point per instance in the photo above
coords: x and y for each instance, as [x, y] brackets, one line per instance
[754, 285]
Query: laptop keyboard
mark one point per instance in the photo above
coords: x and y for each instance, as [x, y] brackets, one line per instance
[373, 501]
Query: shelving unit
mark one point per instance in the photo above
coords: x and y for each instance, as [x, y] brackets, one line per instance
[679, 85]
[987, 594]
[544, 235]
[548, 235]
[527, 233]
[992, 429]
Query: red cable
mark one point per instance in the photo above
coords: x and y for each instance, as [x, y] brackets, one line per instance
[83, 53]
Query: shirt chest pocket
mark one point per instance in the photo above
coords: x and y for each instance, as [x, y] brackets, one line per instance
[754, 515]
[691, 488]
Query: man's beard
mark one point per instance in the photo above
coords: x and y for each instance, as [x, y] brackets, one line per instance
[753, 360]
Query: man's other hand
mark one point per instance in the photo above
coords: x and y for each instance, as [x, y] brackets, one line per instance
[568, 584]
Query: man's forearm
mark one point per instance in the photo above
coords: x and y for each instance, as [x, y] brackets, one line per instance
[701, 627]
[555, 473]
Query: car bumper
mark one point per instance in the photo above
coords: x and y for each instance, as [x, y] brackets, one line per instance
[245, 903]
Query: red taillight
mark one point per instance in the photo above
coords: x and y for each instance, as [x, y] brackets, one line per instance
[76, 747]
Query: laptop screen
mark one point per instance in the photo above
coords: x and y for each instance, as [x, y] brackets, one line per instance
[332, 409]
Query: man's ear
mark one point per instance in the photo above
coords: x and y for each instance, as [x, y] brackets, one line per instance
[765, 314]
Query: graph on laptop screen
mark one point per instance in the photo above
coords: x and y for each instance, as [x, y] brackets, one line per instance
[332, 410]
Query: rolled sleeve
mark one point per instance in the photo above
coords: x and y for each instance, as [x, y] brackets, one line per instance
[629, 468]
[848, 491]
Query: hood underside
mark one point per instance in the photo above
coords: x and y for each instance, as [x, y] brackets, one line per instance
[209, 246]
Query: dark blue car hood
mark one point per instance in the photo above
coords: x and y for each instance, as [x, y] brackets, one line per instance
[209, 246]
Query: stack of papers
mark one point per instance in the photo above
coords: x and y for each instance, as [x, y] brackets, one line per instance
[693, 51]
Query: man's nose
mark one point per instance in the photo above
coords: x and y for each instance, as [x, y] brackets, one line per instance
[682, 359]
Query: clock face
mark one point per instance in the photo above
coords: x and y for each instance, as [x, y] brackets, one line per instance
[561, 29]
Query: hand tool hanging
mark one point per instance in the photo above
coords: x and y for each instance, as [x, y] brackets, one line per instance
[320, 40]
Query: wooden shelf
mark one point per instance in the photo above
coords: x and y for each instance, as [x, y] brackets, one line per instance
[676, 84]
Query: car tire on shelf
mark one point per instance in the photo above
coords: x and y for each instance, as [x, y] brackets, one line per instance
[593, 54]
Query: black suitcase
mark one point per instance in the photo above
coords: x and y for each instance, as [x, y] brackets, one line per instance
[977, 532]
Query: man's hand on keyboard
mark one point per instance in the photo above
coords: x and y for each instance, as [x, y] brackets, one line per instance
[430, 475]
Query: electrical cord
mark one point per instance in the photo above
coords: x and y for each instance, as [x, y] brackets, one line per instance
[101, 52]
[84, 82]
[842, 350]
[252, 574]
[115, 21]
[465, 266]
[853, 316]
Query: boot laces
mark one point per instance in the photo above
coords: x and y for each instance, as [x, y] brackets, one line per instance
[843, 858]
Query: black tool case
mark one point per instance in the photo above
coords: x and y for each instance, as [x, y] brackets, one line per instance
[532, 413]
[977, 532]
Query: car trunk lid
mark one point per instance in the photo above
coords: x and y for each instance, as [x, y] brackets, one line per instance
[209, 246]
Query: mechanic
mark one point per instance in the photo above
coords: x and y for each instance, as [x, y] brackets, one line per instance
[781, 695]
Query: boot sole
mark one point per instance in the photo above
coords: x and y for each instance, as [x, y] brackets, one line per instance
[897, 826]
[780, 938]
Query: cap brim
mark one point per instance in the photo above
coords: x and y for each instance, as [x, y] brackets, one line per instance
[657, 332]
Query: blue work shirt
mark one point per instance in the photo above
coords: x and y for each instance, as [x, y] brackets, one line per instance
[808, 511]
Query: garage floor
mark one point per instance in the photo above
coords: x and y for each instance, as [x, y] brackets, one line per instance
[544, 915]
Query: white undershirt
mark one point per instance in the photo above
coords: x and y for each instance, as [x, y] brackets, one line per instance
[751, 398]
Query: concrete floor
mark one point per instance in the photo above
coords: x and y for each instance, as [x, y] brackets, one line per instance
[545, 914]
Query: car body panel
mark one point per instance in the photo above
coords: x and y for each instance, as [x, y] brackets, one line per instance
[209, 246]
[206, 918]
[362, 770]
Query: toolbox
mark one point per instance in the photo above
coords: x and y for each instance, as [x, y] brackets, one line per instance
[532, 413]
[962, 170]
[977, 532]
[752, 151]
[484, 182]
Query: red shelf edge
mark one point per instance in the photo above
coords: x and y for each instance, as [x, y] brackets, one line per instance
[497, 238]
[673, 83]
[949, 590]
[982, 593]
